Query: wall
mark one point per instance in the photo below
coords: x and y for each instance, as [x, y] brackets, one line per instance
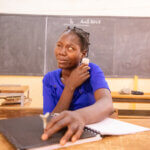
[74, 7]
[35, 85]
[77, 7]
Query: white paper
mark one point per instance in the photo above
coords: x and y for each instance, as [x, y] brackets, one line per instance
[115, 127]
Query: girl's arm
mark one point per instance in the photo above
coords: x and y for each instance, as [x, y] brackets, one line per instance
[77, 77]
[76, 120]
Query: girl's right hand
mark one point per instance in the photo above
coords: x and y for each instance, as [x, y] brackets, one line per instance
[78, 76]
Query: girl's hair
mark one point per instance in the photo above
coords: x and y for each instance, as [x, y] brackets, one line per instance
[83, 36]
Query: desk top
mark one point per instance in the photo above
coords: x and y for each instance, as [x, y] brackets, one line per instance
[13, 89]
[138, 141]
[130, 96]
[13, 112]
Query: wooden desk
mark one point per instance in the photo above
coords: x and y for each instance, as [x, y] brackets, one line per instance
[130, 98]
[14, 91]
[138, 141]
[133, 100]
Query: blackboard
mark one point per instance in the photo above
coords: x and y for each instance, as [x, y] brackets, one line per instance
[21, 45]
[119, 45]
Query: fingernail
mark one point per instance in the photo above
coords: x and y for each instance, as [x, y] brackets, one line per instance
[44, 137]
[73, 139]
[62, 142]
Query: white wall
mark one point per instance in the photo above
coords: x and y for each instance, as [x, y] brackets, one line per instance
[77, 7]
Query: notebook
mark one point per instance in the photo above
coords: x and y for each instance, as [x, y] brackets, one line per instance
[111, 126]
[25, 132]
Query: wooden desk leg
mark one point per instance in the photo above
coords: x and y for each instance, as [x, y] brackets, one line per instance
[28, 94]
[22, 99]
[114, 114]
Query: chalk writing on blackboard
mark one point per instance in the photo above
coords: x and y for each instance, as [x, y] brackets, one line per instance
[83, 22]
[72, 23]
[90, 21]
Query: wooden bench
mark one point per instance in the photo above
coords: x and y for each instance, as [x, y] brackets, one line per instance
[14, 90]
[133, 100]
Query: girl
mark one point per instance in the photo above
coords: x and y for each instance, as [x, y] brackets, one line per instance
[78, 92]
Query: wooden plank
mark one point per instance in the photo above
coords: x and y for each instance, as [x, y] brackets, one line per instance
[133, 117]
[127, 112]
[130, 96]
[141, 122]
[13, 112]
[13, 89]
[4, 144]
[135, 85]
[129, 100]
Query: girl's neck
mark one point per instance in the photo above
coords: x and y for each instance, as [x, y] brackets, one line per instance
[66, 73]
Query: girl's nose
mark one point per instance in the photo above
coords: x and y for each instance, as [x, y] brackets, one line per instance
[63, 51]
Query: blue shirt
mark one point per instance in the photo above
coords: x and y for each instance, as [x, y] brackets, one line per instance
[83, 95]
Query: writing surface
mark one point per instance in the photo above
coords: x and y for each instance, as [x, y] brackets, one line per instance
[132, 47]
[21, 45]
[119, 45]
[101, 40]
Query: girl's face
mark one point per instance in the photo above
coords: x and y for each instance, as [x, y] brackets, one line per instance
[68, 51]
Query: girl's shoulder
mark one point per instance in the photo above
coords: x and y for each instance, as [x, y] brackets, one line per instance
[52, 76]
[94, 67]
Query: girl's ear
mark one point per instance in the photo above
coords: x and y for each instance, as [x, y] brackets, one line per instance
[84, 53]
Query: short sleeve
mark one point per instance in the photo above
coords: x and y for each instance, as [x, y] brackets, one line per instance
[97, 78]
[48, 101]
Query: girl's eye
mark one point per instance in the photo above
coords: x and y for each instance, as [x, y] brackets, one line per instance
[58, 45]
[71, 48]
